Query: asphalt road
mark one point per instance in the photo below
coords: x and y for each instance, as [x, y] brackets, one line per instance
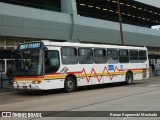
[141, 96]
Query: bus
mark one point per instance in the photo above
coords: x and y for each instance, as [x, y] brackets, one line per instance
[49, 65]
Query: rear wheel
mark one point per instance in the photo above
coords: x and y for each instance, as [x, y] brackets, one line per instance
[69, 84]
[129, 78]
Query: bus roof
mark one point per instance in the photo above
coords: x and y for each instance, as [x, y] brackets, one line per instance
[70, 44]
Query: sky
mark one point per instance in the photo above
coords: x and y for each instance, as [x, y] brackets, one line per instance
[151, 2]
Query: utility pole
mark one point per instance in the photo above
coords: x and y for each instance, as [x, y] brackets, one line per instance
[120, 22]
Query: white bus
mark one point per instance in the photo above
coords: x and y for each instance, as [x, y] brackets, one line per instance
[52, 65]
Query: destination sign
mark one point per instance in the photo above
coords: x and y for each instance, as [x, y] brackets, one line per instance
[30, 46]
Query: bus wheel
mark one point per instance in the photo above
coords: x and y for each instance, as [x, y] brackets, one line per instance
[69, 84]
[129, 78]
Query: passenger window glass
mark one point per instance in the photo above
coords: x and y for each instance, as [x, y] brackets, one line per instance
[100, 56]
[123, 56]
[69, 55]
[112, 56]
[142, 56]
[133, 54]
[85, 56]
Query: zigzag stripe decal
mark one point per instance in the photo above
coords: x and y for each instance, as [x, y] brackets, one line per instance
[111, 76]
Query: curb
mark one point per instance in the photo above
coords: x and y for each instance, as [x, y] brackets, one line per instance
[153, 78]
[7, 91]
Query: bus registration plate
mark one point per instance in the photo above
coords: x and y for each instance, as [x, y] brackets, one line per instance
[24, 87]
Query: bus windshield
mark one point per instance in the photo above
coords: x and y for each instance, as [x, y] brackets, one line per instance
[28, 62]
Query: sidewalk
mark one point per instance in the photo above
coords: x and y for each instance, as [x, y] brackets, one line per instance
[6, 91]
[154, 77]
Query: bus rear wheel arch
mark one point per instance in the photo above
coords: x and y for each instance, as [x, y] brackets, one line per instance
[70, 83]
[129, 78]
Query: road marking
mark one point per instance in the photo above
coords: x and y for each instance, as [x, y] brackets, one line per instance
[154, 85]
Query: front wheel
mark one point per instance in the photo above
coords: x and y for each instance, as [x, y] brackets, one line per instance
[129, 78]
[69, 84]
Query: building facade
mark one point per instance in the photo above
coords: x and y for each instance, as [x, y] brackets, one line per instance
[77, 21]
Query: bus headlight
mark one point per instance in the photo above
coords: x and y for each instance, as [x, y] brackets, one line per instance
[33, 82]
[36, 82]
[15, 82]
[39, 82]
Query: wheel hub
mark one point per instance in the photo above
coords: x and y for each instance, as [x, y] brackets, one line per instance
[70, 84]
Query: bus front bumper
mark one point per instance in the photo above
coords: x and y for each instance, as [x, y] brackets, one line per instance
[29, 85]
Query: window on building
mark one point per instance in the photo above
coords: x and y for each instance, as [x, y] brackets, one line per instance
[10, 42]
[2, 65]
[53, 5]
[9, 62]
[10, 48]
[100, 56]
[142, 56]
[2, 69]
[123, 56]
[85, 56]
[2, 42]
[133, 54]
[18, 42]
[69, 55]
[112, 56]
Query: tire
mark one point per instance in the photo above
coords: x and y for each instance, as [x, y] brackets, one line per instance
[129, 78]
[69, 84]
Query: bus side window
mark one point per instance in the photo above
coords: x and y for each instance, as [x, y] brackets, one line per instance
[69, 55]
[47, 59]
[133, 55]
[112, 56]
[123, 56]
[51, 61]
[100, 56]
[85, 56]
[54, 62]
[142, 56]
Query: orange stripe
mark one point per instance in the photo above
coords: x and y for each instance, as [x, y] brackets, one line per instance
[58, 75]
[27, 78]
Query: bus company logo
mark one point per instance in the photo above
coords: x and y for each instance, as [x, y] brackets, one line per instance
[64, 70]
[6, 114]
[121, 66]
[111, 67]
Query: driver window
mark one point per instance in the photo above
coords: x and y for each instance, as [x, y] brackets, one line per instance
[51, 61]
